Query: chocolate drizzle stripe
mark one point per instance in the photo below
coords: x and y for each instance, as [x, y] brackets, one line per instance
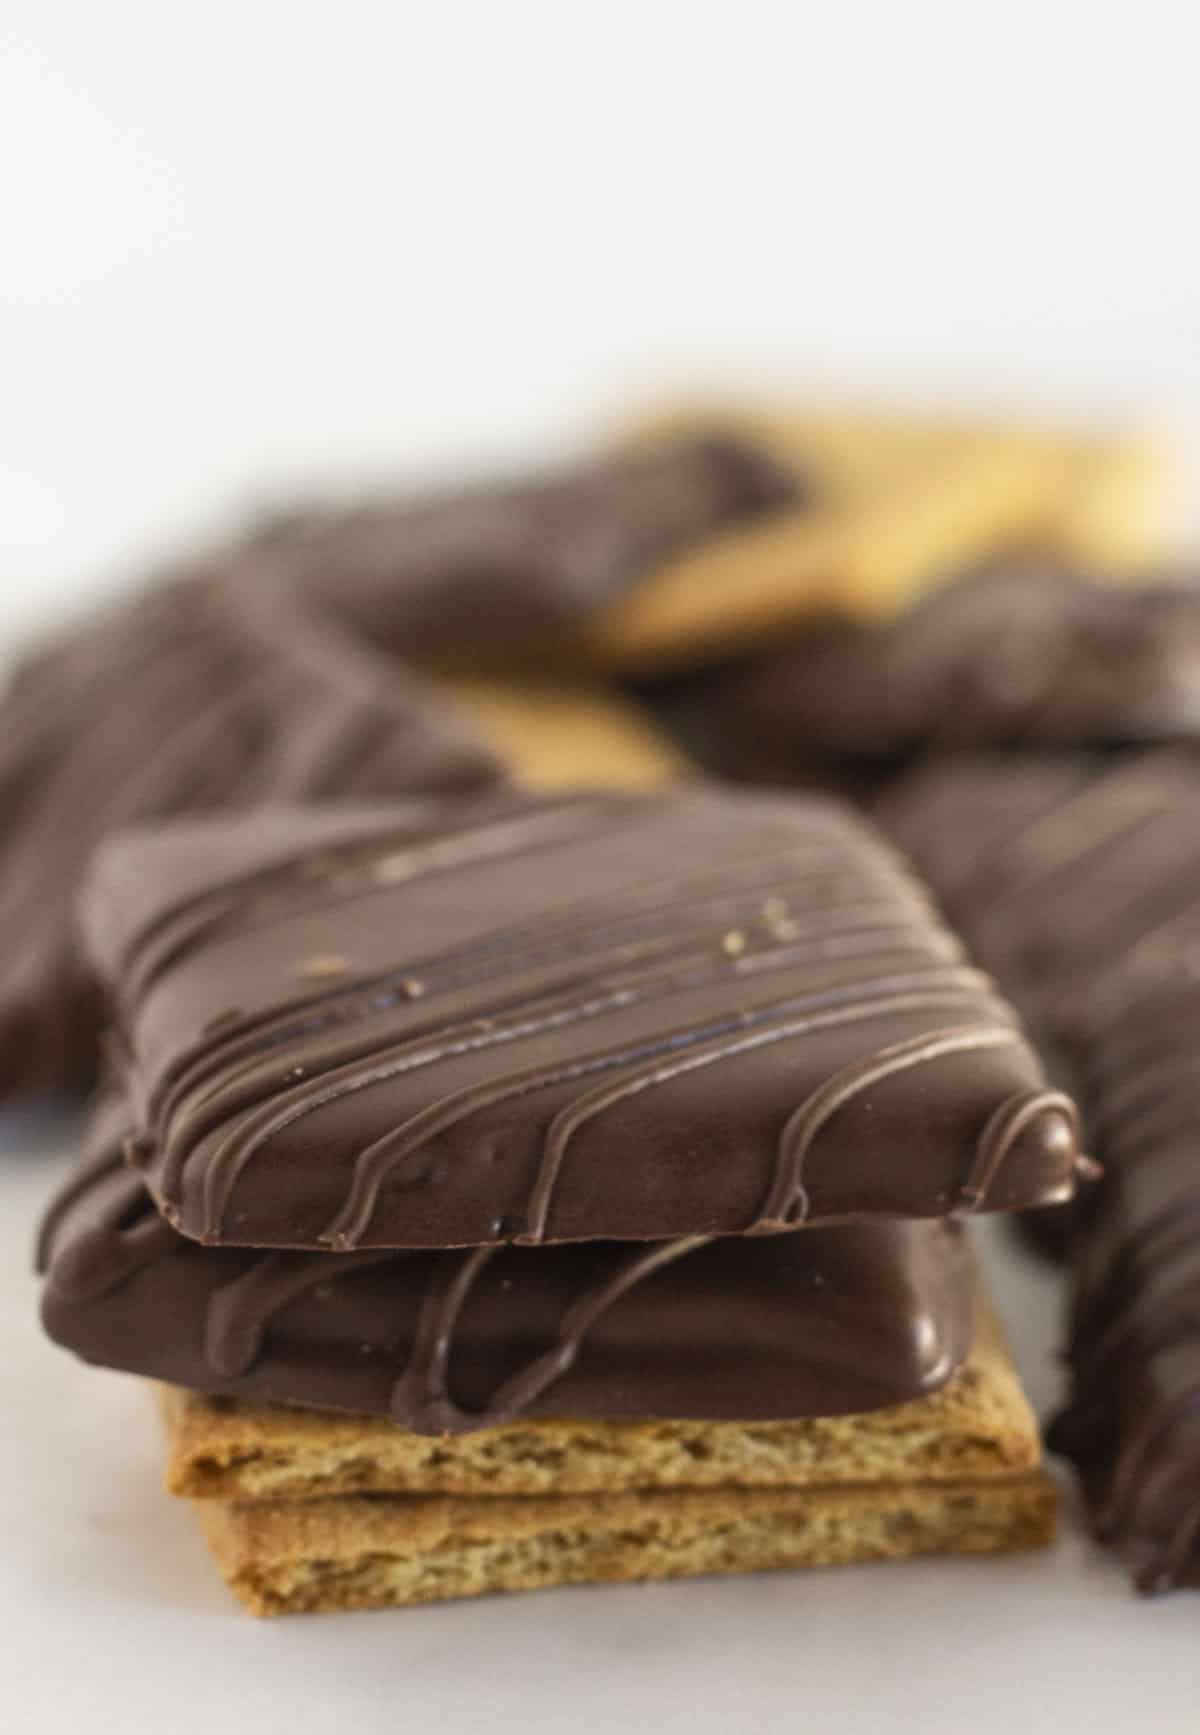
[420, 1397]
[1002, 1132]
[524, 1388]
[239, 1314]
[786, 1204]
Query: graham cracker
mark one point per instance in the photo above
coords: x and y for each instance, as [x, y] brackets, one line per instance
[355, 1553]
[566, 734]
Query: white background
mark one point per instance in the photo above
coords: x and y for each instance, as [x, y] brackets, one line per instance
[246, 247]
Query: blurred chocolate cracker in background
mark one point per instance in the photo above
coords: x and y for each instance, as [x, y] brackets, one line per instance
[1021, 656]
[1076, 880]
[492, 569]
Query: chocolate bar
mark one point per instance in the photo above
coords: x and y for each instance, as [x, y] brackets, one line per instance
[551, 1019]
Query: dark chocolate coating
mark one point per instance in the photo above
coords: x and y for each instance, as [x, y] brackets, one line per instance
[277, 673]
[556, 1019]
[1078, 880]
[1132, 1423]
[821, 1323]
[1029, 657]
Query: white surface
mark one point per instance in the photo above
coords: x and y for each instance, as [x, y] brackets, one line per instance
[252, 244]
[258, 241]
[112, 1617]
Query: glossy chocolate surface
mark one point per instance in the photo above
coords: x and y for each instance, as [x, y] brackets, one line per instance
[819, 1323]
[537, 1019]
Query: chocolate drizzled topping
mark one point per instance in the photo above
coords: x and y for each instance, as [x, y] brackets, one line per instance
[1078, 879]
[588, 1057]
[836, 1320]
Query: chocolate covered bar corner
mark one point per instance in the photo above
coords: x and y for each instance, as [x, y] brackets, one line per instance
[560, 1188]
[1077, 877]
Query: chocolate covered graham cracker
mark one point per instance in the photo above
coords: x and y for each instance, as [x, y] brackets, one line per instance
[524, 1356]
[892, 506]
[1132, 1420]
[325, 1555]
[1021, 656]
[1079, 878]
[492, 567]
[540, 1020]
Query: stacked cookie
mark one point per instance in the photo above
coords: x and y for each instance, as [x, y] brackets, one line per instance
[511, 1188]
[590, 1169]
